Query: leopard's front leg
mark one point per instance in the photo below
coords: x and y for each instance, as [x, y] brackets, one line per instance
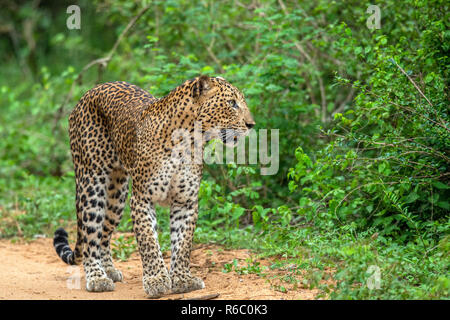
[183, 217]
[156, 279]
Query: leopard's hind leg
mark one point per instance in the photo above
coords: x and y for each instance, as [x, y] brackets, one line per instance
[89, 142]
[117, 192]
[92, 189]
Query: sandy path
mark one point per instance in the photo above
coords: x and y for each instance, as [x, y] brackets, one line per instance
[33, 271]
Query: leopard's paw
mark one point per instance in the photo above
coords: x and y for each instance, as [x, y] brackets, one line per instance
[186, 283]
[99, 284]
[156, 286]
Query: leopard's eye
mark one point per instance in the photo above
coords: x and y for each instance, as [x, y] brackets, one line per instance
[233, 104]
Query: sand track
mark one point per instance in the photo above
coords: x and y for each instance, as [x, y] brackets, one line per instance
[34, 271]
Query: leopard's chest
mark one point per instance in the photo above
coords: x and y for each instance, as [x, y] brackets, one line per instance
[175, 182]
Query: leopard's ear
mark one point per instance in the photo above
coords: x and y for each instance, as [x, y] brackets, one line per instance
[201, 85]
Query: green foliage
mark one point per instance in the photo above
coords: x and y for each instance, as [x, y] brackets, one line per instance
[122, 248]
[387, 163]
[252, 267]
[363, 116]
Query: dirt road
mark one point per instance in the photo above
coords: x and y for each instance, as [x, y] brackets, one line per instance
[33, 271]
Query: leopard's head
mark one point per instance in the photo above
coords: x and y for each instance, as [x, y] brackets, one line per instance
[222, 110]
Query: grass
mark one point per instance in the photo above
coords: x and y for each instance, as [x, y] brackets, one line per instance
[123, 247]
[37, 205]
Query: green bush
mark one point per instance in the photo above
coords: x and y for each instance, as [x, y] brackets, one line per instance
[387, 162]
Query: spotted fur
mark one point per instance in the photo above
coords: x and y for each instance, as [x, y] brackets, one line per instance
[119, 132]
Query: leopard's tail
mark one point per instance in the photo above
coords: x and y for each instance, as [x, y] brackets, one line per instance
[61, 244]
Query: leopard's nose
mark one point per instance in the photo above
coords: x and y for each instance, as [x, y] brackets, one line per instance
[249, 125]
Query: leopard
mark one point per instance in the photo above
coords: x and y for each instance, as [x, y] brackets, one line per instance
[122, 138]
